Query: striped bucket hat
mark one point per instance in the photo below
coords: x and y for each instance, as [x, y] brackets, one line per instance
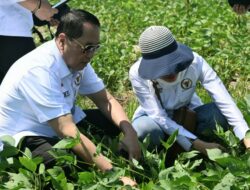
[161, 54]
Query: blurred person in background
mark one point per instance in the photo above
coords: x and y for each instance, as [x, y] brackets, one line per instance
[16, 28]
[240, 6]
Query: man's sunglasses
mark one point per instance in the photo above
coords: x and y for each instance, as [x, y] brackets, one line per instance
[88, 48]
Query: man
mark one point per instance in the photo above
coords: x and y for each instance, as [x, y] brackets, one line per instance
[164, 80]
[39, 92]
[16, 28]
[240, 6]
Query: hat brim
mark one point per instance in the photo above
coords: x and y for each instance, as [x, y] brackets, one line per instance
[168, 64]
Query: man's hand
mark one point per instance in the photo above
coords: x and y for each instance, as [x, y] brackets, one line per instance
[128, 181]
[130, 142]
[202, 146]
[246, 140]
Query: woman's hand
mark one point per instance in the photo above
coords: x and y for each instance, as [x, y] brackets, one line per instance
[128, 181]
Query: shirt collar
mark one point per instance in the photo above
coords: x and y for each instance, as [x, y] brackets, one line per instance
[63, 68]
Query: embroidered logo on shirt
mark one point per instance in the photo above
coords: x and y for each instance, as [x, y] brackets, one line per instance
[78, 79]
[186, 83]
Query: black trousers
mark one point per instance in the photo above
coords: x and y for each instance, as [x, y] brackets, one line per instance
[11, 49]
[39, 146]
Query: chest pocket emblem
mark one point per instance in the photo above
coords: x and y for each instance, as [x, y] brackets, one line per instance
[78, 79]
[186, 83]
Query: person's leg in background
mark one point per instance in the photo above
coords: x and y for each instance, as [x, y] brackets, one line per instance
[100, 129]
[144, 126]
[99, 123]
[12, 48]
[208, 116]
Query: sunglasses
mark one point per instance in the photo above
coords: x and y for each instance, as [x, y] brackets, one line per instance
[88, 48]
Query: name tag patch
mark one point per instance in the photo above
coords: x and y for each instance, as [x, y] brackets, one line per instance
[66, 93]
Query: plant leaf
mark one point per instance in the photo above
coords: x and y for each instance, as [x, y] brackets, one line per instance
[28, 163]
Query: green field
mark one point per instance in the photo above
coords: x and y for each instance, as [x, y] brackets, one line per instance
[211, 29]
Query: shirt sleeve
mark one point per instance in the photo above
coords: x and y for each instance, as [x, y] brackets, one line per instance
[195, 101]
[42, 90]
[9, 2]
[152, 107]
[90, 82]
[215, 87]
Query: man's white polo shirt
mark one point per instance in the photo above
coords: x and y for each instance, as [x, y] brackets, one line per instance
[40, 87]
